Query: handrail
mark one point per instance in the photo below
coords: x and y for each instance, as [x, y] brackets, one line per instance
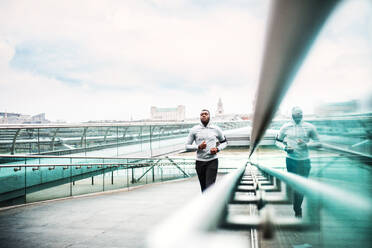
[330, 197]
[83, 157]
[76, 164]
[203, 214]
[344, 150]
[135, 124]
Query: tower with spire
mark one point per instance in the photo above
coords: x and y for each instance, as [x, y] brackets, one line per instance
[219, 107]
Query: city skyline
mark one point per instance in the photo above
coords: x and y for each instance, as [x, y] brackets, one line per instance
[177, 114]
[112, 60]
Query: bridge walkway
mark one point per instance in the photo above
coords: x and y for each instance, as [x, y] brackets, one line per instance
[114, 219]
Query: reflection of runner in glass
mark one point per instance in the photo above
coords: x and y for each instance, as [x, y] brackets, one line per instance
[294, 138]
[209, 140]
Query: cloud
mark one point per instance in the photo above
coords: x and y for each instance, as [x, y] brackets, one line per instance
[152, 52]
[338, 66]
[56, 61]
[95, 59]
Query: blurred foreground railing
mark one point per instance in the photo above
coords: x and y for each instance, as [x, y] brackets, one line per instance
[340, 217]
[193, 226]
[333, 217]
[366, 158]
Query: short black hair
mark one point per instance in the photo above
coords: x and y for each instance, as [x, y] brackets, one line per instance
[206, 110]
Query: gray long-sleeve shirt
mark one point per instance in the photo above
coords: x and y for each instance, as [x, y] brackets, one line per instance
[213, 137]
[290, 135]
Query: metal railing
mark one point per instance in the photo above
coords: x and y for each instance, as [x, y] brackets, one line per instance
[25, 179]
[62, 139]
[324, 194]
[192, 226]
[360, 155]
[204, 220]
[293, 28]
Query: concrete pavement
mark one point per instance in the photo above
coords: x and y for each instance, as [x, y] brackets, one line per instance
[119, 219]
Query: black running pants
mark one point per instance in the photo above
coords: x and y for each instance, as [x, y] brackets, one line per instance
[207, 172]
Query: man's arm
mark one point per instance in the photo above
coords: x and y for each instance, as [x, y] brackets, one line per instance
[222, 142]
[190, 139]
[313, 135]
[279, 140]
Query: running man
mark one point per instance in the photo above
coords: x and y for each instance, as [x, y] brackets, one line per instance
[294, 138]
[209, 140]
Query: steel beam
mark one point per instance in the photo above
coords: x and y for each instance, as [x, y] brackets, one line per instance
[53, 139]
[12, 149]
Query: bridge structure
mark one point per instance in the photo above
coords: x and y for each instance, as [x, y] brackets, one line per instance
[249, 206]
[92, 150]
[64, 139]
[256, 208]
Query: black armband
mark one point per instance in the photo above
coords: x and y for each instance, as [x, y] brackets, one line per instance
[277, 139]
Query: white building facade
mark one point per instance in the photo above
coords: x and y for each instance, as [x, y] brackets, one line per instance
[168, 114]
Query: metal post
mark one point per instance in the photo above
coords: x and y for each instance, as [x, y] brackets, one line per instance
[159, 138]
[105, 137]
[103, 174]
[117, 141]
[25, 199]
[83, 138]
[127, 174]
[125, 133]
[53, 139]
[12, 149]
[150, 141]
[38, 140]
[141, 137]
[30, 137]
[71, 177]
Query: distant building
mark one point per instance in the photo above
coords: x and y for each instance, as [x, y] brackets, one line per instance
[15, 118]
[168, 114]
[6, 114]
[39, 118]
[219, 108]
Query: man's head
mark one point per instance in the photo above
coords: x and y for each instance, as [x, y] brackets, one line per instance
[204, 116]
[297, 114]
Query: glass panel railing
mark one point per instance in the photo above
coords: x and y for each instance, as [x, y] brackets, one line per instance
[36, 178]
[12, 185]
[87, 179]
[350, 175]
[47, 183]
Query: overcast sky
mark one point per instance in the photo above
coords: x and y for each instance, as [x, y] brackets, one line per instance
[95, 60]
